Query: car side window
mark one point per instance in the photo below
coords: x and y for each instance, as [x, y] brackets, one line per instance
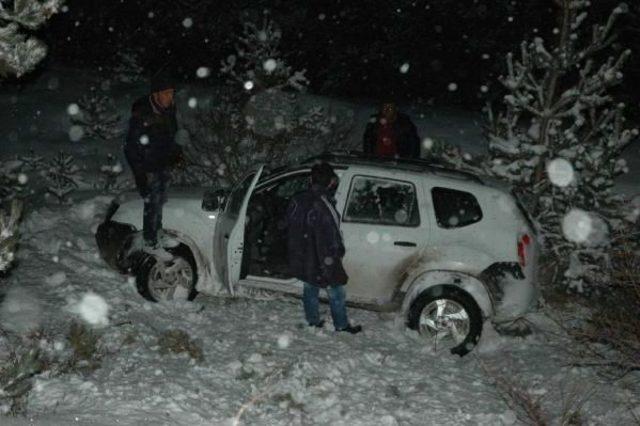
[291, 185]
[455, 209]
[237, 195]
[382, 201]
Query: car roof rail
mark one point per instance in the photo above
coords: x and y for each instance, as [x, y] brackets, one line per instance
[411, 164]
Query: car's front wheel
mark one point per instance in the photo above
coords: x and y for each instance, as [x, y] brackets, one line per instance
[447, 318]
[160, 281]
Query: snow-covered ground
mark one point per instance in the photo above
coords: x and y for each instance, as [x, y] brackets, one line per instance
[260, 364]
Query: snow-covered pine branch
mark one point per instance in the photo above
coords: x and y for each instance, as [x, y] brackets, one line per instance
[20, 52]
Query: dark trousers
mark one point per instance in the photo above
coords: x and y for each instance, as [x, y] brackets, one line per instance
[152, 187]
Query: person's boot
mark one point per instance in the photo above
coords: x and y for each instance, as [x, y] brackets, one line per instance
[319, 324]
[158, 252]
[353, 329]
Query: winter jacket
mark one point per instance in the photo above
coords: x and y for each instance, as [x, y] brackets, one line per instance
[314, 242]
[404, 132]
[150, 144]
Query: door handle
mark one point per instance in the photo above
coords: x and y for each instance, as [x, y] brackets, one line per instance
[405, 243]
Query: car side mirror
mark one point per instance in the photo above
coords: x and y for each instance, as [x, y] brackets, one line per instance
[214, 200]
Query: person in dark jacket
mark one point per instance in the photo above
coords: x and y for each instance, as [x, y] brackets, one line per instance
[391, 133]
[150, 149]
[315, 248]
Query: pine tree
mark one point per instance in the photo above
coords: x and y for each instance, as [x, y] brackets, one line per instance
[98, 117]
[267, 120]
[19, 52]
[559, 137]
[110, 174]
[258, 63]
[127, 67]
[63, 177]
[12, 180]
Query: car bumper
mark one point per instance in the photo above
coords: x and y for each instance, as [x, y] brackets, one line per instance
[113, 239]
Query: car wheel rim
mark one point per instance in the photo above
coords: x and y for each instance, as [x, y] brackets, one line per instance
[444, 323]
[171, 280]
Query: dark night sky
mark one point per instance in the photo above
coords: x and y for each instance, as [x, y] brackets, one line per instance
[350, 49]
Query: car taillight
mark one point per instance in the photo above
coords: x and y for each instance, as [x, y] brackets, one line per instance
[523, 242]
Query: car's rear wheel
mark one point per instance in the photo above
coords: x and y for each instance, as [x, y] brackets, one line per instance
[447, 318]
[161, 281]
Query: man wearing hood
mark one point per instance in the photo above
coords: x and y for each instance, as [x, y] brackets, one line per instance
[316, 249]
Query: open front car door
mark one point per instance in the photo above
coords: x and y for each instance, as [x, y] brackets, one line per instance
[228, 239]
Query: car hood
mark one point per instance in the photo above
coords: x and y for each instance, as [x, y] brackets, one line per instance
[178, 192]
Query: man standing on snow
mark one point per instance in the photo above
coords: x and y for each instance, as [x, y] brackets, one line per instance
[391, 133]
[151, 149]
[316, 248]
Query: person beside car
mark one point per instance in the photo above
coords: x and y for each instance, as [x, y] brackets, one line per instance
[150, 150]
[315, 248]
[391, 133]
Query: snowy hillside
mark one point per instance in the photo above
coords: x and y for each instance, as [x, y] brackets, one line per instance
[47, 127]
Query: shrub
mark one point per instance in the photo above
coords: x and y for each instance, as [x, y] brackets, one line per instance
[178, 341]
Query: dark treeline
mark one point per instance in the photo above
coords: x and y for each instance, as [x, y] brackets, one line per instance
[349, 48]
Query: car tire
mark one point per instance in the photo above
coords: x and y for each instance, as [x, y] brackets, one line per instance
[459, 317]
[181, 270]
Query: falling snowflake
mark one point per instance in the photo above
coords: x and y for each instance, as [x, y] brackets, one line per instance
[187, 22]
[404, 68]
[203, 72]
[93, 309]
[284, 340]
[401, 216]
[427, 143]
[76, 133]
[248, 85]
[193, 102]
[73, 109]
[560, 172]
[270, 65]
[452, 87]
[577, 225]
[144, 139]
[373, 237]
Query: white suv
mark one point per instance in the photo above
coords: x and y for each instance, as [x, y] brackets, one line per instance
[443, 248]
